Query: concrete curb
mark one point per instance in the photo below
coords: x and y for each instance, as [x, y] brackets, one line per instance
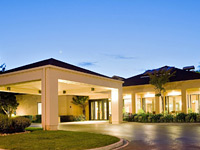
[115, 146]
[108, 147]
[124, 145]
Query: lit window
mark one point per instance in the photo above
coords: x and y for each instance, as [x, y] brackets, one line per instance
[127, 105]
[39, 108]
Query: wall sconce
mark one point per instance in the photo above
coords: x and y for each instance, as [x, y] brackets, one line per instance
[8, 88]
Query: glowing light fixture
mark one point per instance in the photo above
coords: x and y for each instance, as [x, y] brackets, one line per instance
[149, 95]
[174, 93]
[127, 96]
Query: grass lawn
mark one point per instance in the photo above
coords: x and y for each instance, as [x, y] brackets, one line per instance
[51, 140]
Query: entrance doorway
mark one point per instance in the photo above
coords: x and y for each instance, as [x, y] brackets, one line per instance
[173, 104]
[98, 109]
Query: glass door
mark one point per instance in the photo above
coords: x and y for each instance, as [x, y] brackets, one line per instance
[173, 104]
[98, 109]
[194, 103]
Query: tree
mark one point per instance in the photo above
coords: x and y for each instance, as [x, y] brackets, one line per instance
[2, 67]
[81, 101]
[158, 78]
[198, 71]
[8, 103]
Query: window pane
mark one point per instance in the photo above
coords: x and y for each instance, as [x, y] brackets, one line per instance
[39, 108]
[127, 105]
[138, 104]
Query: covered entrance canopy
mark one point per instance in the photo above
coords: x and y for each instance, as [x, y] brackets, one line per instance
[50, 78]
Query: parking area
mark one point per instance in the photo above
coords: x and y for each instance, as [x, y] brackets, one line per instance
[167, 136]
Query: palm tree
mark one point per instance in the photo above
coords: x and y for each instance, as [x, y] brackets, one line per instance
[158, 78]
[82, 101]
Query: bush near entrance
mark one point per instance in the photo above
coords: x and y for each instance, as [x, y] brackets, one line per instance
[12, 125]
[160, 118]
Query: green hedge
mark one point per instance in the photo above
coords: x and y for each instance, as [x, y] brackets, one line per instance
[160, 118]
[5, 124]
[12, 125]
[33, 118]
[20, 123]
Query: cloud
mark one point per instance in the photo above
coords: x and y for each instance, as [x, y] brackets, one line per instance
[121, 57]
[87, 64]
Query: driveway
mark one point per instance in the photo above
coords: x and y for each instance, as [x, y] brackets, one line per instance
[146, 136]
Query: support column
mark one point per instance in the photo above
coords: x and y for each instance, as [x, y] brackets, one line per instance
[117, 105]
[49, 100]
[133, 102]
[141, 101]
[157, 101]
[43, 97]
[184, 100]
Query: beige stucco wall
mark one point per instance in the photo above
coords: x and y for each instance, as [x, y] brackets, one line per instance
[66, 107]
[28, 105]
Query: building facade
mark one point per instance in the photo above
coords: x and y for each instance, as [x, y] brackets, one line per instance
[182, 93]
[47, 88]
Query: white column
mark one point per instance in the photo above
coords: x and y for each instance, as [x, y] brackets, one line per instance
[49, 100]
[133, 102]
[184, 100]
[117, 105]
[157, 101]
[43, 96]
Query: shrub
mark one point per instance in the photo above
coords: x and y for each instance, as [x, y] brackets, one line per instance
[5, 124]
[66, 118]
[33, 118]
[191, 117]
[189, 110]
[180, 117]
[30, 117]
[198, 118]
[168, 118]
[192, 120]
[156, 117]
[162, 119]
[136, 118]
[129, 117]
[150, 118]
[145, 117]
[37, 119]
[20, 123]
[140, 111]
[79, 118]
[133, 117]
[139, 118]
[175, 119]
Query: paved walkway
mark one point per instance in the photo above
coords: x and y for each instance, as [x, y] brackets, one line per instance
[146, 136]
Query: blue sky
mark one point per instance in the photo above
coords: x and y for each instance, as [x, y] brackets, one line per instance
[112, 37]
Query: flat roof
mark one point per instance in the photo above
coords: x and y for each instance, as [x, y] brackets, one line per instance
[54, 62]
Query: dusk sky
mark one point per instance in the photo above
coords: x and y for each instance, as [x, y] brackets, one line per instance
[112, 37]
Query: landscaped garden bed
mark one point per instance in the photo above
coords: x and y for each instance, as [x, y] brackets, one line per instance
[163, 118]
[39, 139]
[14, 134]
